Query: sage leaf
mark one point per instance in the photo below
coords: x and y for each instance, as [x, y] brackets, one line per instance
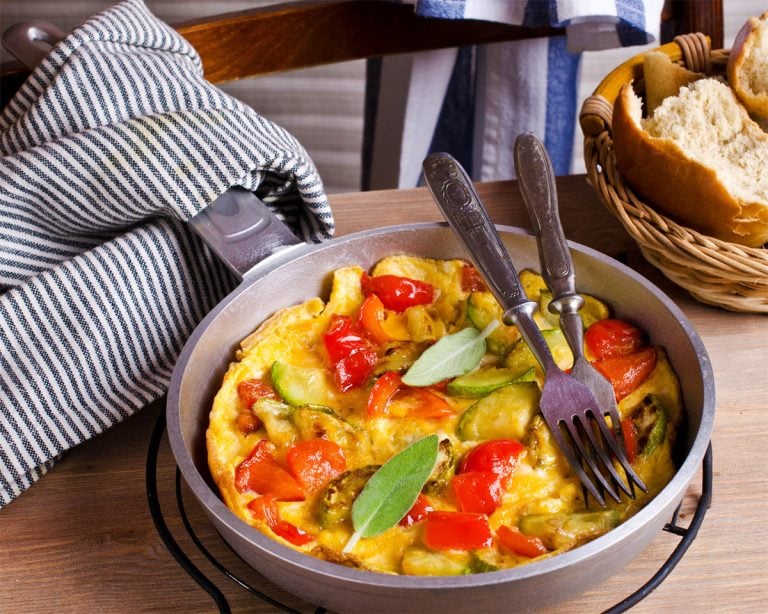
[452, 355]
[393, 490]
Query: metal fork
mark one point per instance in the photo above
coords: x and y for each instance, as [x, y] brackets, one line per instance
[536, 180]
[565, 402]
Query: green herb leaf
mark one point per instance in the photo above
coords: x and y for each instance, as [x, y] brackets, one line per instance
[393, 490]
[452, 355]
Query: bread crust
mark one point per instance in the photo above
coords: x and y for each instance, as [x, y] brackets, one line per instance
[755, 102]
[660, 172]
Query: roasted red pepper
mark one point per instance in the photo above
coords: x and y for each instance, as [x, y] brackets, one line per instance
[629, 433]
[520, 543]
[315, 462]
[398, 293]
[249, 391]
[457, 531]
[626, 372]
[262, 474]
[266, 509]
[426, 404]
[422, 403]
[352, 355]
[371, 316]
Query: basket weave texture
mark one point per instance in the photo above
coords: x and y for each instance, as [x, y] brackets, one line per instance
[715, 272]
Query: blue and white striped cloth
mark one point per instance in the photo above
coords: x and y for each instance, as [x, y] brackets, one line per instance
[519, 86]
[112, 143]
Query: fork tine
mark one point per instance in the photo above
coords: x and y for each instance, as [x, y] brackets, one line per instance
[567, 450]
[614, 440]
[608, 438]
[576, 436]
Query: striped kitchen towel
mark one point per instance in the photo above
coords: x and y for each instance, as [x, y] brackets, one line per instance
[473, 104]
[113, 142]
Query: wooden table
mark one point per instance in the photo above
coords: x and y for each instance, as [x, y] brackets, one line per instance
[82, 539]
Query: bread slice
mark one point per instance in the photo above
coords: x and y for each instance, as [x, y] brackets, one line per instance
[663, 78]
[700, 160]
[747, 68]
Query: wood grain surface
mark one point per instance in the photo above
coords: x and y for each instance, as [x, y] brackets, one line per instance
[83, 540]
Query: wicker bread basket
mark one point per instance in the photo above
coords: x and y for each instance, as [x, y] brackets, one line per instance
[713, 271]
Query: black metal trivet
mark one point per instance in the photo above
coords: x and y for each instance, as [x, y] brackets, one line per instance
[687, 534]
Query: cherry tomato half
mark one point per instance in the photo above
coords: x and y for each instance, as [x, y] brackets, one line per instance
[398, 293]
[471, 280]
[477, 491]
[499, 456]
[382, 392]
[352, 355]
[606, 338]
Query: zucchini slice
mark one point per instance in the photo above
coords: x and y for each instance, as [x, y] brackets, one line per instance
[301, 385]
[651, 419]
[318, 421]
[335, 503]
[485, 380]
[591, 311]
[418, 561]
[445, 467]
[482, 309]
[521, 358]
[560, 529]
[503, 414]
[276, 417]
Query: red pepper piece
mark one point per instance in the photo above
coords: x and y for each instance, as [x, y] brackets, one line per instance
[315, 462]
[457, 531]
[261, 473]
[627, 372]
[520, 543]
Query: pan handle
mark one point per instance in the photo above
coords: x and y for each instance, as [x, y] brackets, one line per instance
[241, 230]
[237, 226]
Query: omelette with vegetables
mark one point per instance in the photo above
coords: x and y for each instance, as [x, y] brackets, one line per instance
[396, 428]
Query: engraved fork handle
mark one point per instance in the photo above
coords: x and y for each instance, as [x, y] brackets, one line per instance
[536, 180]
[455, 195]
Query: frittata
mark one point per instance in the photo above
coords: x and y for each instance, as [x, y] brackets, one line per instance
[315, 403]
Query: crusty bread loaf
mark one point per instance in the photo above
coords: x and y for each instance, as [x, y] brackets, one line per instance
[700, 159]
[748, 66]
[663, 78]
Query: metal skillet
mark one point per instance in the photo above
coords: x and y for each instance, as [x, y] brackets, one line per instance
[299, 272]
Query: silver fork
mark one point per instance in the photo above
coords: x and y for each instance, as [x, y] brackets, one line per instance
[565, 402]
[536, 180]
